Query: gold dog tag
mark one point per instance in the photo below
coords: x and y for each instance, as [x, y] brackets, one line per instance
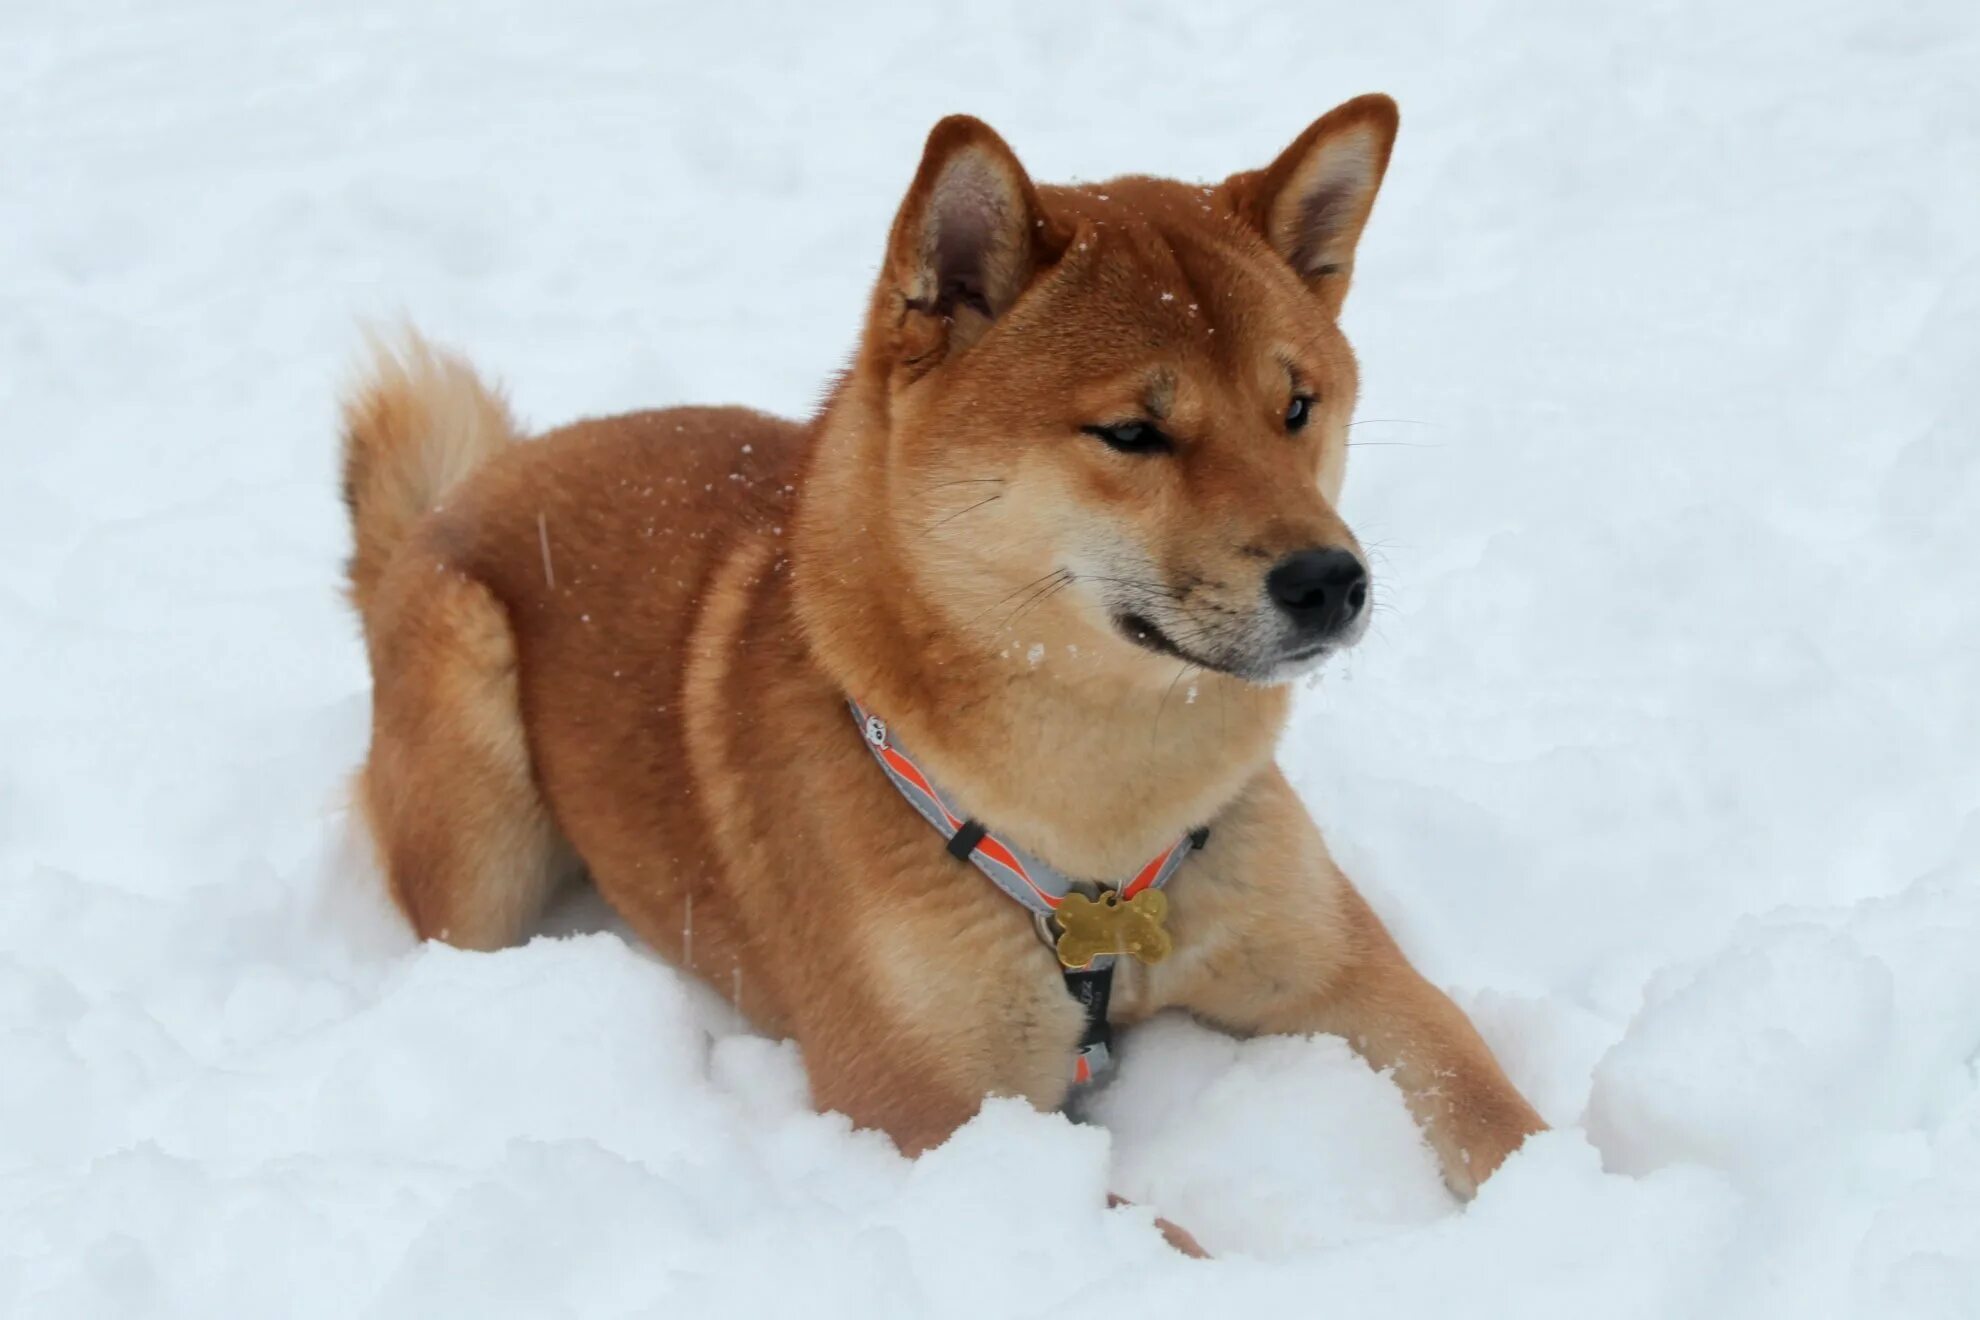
[1091, 927]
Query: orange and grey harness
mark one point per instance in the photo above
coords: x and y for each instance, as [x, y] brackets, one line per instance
[1046, 892]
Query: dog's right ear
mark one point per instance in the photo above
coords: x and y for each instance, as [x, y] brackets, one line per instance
[968, 238]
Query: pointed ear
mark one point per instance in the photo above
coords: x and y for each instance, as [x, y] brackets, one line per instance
[1312, 202]
[968, 238]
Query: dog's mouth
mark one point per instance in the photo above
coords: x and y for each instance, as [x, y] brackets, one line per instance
[1148, 635]
[1145, 633]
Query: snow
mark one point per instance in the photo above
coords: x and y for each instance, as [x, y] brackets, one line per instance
[1661, 757]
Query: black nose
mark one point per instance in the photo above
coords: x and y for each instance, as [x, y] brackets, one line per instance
[1323, 589]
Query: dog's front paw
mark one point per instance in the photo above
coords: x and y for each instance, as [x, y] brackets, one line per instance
[1178, 1237]
[1479, 1134]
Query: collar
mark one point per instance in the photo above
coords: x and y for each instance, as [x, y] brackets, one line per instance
[1023, 875]
[1053, 897]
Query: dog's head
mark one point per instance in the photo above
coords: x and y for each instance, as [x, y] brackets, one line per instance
[1117, 413]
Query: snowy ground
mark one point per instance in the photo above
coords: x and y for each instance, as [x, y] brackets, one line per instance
[1667, 762]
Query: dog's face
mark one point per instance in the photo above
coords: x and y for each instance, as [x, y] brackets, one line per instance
[1118, 417]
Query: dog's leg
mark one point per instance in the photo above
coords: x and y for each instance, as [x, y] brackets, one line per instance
[1272, 938]
[920, 1075]
[912, 1013]
[466, 840]
[1399, 1022]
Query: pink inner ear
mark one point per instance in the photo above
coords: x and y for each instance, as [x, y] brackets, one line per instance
[1324, 216]
[970, 219]
[1324, 205]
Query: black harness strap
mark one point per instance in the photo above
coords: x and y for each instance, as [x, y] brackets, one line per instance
[1093, 987]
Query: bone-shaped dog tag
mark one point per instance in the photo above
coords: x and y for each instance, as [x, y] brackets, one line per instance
[1091, 927]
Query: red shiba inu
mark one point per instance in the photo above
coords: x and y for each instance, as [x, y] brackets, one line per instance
[733, 668]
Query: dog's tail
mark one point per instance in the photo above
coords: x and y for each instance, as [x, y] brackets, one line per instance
[417, 422]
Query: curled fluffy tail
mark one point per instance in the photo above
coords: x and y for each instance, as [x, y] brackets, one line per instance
[417, 422]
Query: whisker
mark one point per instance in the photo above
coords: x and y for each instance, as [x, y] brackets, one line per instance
[1170, 691]
[1039, 599]
[1064, 579]
[960, 512]
[1390, 444]
[968, 481]
[1026, 587]
[1158, 588]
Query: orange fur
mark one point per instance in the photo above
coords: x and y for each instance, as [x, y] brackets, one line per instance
[630, 641]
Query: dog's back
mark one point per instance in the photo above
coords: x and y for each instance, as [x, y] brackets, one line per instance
[532, 612]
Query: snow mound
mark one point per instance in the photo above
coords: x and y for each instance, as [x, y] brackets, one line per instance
[1661, 755]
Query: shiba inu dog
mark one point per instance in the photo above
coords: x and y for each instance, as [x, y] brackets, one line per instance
[1089, 449]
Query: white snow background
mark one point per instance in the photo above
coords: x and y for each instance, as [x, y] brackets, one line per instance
[1666, 762]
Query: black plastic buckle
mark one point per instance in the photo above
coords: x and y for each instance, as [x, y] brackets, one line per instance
[963, 842]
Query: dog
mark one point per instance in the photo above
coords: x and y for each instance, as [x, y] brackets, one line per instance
[1088, 452]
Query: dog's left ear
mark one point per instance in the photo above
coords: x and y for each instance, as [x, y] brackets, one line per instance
[1312, 202]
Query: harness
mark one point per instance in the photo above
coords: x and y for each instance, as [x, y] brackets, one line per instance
[1087, 926]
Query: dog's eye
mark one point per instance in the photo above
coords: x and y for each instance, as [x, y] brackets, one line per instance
[1298, 411]
[1131, 437]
